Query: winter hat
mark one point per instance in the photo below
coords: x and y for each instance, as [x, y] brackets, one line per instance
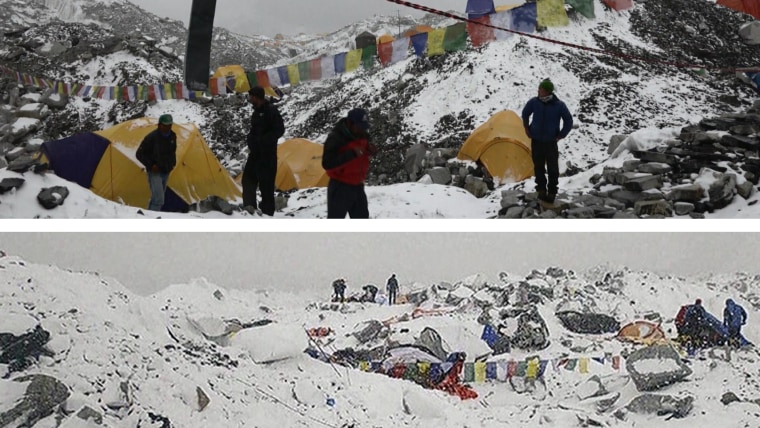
[165, 119]
[547, 85]
[359, 117]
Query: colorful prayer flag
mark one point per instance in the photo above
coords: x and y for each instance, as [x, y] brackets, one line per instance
[315, 69]
[419, 43]
[368, 56]
[385, 53]
[353, 59]
[551, 13]
[400, 50]
[480, 371]
[455, 37]
[469, 372]
[303, 70]
[435, 42]
[480, 34]
[583, 7]
[328, 67]
[583, 365]
[293, 75]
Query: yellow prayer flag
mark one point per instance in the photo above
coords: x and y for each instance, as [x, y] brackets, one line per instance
[353, 59]
[293, 74]
[532, 371]
[480, 372]
[551, 13]
[583, 365]
[435, 42]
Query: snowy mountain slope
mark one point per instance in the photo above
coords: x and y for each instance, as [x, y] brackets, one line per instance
[432, 101]
[131, 359]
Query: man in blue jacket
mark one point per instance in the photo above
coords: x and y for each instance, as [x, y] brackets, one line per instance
[544, 133]
[734, 317]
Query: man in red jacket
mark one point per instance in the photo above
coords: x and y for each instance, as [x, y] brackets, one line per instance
[346, 161]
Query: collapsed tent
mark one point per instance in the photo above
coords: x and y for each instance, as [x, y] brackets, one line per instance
[641, 331]
[701, 329]
[105, 162]
[502, 146]
[750, 7]
[237, 79]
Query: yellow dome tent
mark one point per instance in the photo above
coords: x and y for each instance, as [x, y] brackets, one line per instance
[236, 71]
[502, 146]
[105, 162]
[385, 38]
[417, 29]
[299, 166]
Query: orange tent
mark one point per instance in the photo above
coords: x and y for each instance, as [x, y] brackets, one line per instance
[417, 29]
[385, 38]
[641, 331]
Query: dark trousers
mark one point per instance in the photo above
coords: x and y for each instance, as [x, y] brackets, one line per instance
[545, 159]
[345, 199]
[391, 297]
[260, 172]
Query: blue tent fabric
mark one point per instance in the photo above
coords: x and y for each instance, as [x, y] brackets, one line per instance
[524, 18]
[76, 158]
[419, 42]
[478, 8]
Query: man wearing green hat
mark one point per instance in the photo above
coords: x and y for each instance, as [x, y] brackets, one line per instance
[158, 152]
[544, 132]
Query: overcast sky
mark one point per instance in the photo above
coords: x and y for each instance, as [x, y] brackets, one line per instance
[270, 17]
[148, 262]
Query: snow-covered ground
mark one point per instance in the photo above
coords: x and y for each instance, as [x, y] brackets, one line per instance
[127, 356]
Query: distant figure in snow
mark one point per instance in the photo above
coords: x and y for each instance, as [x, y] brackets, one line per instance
[392, 288]
[544, 132]
[158, 153]
[346, 161]
[339, 290]
[734, 317]
[370, 292]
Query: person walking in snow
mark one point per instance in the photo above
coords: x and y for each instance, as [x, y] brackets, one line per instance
[392, 288]
[158, 153]
[544, 132]
[339, 290]
[734, 317]
[346, 161]
[261, 167]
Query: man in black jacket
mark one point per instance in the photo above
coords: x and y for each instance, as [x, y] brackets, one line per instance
[158, 152]
[261, 168]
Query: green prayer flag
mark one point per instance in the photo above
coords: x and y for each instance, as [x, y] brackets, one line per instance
[584, 7]
[455, 38]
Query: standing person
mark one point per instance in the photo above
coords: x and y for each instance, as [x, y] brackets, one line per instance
[261, 168]
[346, 160]
[339, 290]
[734, 317]
[392, 288]
[158, 153]
[544, 133]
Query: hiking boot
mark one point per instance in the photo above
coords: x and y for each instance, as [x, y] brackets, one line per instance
[252, 210]
[542, 195]
[550, 197]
